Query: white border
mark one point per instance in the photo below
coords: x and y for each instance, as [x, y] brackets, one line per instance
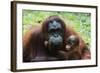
[34, 65]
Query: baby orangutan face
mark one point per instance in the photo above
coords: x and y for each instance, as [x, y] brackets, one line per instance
[71, 42]
[72, 49]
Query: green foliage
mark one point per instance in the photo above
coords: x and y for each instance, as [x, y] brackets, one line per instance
[81, 22]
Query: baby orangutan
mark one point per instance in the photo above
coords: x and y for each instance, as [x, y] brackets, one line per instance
[72, 51]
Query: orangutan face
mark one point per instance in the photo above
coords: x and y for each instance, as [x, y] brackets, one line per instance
[55, 35]
[72, 42]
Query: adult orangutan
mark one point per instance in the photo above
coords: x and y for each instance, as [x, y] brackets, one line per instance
[49, 42]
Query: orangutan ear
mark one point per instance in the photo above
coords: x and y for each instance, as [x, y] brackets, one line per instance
[46, 43]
